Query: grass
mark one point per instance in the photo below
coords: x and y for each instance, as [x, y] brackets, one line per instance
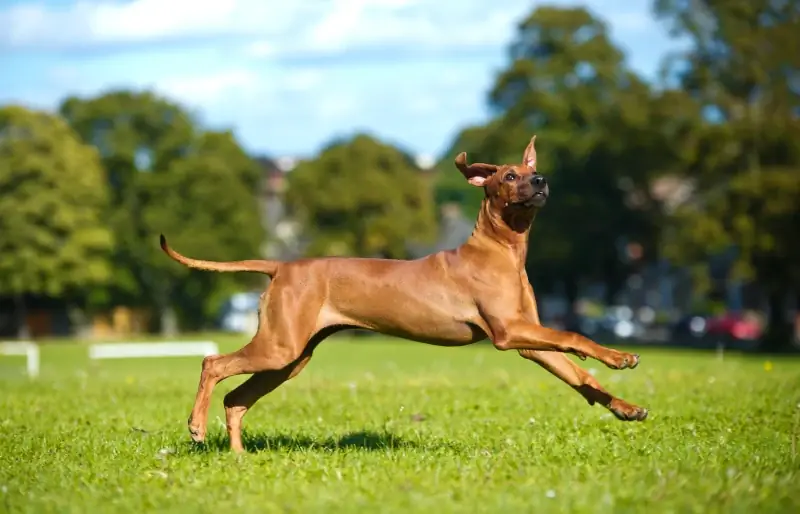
[391, 426]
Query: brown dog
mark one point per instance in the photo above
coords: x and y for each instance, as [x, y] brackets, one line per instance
[452, 298]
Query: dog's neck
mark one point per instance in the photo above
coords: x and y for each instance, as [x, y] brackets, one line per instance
[506, 227]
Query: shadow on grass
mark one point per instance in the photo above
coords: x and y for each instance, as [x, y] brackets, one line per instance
[370, 441]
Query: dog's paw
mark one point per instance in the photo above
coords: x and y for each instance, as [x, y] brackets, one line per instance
[624, 411]
[196, 432]
[622, 360]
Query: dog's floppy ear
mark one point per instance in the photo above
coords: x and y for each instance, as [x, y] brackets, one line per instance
[476, 173]
[529, 157]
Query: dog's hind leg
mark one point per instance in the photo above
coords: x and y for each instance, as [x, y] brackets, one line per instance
[287, 319]
[216, 368]
[241, 399]
[584, 383]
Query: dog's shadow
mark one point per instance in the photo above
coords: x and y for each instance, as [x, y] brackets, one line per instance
[257, 442]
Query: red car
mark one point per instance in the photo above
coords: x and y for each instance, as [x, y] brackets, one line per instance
[735, 326]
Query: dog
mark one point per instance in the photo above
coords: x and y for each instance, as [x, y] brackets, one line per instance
[457, 297]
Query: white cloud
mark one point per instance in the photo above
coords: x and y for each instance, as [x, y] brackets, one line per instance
[293, 104]
[288, 26]
[92, 22]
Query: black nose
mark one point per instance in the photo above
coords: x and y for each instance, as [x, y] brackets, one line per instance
[538, 181]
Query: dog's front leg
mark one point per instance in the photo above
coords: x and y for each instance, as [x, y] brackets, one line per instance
[584, 383]
[524, 335]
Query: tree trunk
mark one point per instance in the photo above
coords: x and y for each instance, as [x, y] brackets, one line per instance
[777, 338]
[169, 321]
[78, 320]
[23, 330]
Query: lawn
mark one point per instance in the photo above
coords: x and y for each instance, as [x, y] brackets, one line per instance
[391, 426]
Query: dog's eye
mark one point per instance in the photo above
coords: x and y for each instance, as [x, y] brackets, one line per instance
[510, 177]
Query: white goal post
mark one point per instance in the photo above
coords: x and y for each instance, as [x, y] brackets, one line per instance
[155, 349]
[26, 349]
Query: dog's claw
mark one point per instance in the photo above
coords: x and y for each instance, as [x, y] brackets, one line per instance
[632, 414]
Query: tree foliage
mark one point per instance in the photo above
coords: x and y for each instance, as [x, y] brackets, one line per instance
[729, 130]
[744, 70]
[52, 199]
[568, 83]
[361, 197]
[208, 204]
[449, 184]
[727, 123]
[167, 175]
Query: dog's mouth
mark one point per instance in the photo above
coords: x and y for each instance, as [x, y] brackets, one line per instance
[538, 199]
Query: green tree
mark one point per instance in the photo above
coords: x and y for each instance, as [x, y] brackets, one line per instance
[568, 83]
[361, 197]
[743, 69]
[449, 185]
[53, 195]
[207, 202]
[757, 216]
[157, 156]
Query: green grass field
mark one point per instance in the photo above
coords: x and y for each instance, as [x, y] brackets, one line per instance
[392, 426]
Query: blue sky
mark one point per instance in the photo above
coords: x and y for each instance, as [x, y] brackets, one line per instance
[287, 76]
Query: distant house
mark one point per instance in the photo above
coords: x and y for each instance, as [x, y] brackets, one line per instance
[283, 233]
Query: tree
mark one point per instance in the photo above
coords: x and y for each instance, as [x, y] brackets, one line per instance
[757, 216]
[449, 184]
[53, 195]
[166, 174]
[743, 61]
[136, 134]
[207, 202]
[743, 70]
[568, 84]
[361, 197]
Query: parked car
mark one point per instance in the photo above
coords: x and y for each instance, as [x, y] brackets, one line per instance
[730, 329]
[734, 327]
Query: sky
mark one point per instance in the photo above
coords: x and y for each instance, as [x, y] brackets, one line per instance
[287, 76]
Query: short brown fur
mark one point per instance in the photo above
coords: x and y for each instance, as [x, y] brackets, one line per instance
[455, 297]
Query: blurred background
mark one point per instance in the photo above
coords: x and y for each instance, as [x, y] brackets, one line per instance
[668, 129]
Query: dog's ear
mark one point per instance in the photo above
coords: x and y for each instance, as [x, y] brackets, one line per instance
[529, 157]
[476, 173]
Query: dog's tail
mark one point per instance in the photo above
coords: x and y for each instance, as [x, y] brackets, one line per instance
[259, 266]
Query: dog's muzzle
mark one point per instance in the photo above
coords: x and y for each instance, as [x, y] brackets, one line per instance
[540, 191]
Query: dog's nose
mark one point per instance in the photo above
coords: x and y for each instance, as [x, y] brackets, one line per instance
[538, 181]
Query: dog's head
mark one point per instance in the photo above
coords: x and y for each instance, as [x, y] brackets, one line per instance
[509, 187]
